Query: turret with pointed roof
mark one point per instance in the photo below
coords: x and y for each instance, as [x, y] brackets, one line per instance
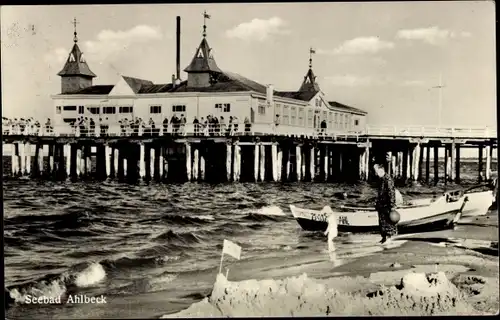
[203, 70]
[75, 74]
[309, 83]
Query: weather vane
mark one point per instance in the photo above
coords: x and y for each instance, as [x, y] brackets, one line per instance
[311, 52]
[205, 17]
[74, 22]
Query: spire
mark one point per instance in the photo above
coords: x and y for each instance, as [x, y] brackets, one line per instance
[75, 38]
[309, 83]
[203, 60]
[75, 64]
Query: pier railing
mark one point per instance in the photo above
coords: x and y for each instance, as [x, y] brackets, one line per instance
[250, 129]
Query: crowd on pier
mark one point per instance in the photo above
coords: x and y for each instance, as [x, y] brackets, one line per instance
[136, 126]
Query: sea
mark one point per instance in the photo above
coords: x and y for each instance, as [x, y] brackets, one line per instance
[154, 249]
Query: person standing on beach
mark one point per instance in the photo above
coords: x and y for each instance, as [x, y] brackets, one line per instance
[332, 232]
[386, 202]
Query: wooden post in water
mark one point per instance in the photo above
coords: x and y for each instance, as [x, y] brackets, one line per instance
[161, 164]
[446, 165]
[228, 160]
[78, 161]
[262, 162]
[107, 159]
[312, 170]
[279, 163]
[28, 158]
[427, 163]
[452, 160]
[116, 158]
[406, 164]
[298, 161]
[367, 160]
[22, 158]
[393, 164]
[420, 166]
[40, 149]
[302, 167]
[390, 171]
[256, 162]
[457, 167]
[488, 162]
[416, 160]
[67, 155]
[196, 164]
[274, 158]
[13, 159]
[325, 177]
[142, 161]
[436, 164]
[202, 167]
[288, 162]
[48, 150]
[480, 163]
[152, 162]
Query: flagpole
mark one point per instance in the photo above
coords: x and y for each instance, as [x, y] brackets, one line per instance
[440, 97]
[221, 258]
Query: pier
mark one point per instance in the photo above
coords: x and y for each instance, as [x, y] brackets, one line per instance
[257, 153]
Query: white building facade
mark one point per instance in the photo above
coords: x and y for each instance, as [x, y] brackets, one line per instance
[208, 91]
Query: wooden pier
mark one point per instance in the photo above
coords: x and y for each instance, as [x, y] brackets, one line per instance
[252, 156]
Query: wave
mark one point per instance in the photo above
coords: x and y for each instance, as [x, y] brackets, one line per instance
[59, 285]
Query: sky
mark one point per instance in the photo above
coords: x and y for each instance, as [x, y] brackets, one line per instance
[382, 57]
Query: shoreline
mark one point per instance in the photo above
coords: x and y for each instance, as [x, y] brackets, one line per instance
[462, 279]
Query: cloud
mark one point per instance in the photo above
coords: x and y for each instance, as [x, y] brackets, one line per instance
[349, 80]
[110, 43]
[258, 29]
[432, 35]
[360, 45]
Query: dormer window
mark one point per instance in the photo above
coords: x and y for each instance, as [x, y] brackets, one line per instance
[71, 57]
[82, 58]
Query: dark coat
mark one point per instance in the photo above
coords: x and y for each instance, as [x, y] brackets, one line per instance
[386, 202]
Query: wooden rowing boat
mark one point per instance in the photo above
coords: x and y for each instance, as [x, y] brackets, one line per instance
[439, 215]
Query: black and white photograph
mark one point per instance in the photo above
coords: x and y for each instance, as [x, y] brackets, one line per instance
[249, 160]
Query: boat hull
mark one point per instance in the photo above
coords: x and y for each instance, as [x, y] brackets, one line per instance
[434, 223]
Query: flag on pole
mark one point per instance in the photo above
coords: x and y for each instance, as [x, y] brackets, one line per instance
[231, 249]
[206, 15]
[312, 50]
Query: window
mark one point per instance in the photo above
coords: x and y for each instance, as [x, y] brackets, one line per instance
[69, 108]
[286, 115]
[294, 116]
[94, 110]
[278, 109]
[346, 121]
[356, 122]
[128, 109]
[262, 109]
[318, 102]
[179, 108]
[330, 119]
[223, 107]
[325, 116]
[81, 109]
[154, 109]
[109, 110]
[301, 116]
[58, 110]
[309, 118]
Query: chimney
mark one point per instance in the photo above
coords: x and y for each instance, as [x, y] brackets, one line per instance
[269, 94]
[178, 48]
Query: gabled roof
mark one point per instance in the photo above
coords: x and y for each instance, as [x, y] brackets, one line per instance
[203, 60]
[76, 64]
[297, 95]
[339, 105]
[98, 89]
[156, 88]
[136, 84]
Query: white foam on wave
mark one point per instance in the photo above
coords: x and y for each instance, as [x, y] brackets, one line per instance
[205, 217]
[90, 276]
[53, 289]
[270, 211]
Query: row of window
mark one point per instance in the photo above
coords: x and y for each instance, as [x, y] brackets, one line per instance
[225, 107]
[294, 115]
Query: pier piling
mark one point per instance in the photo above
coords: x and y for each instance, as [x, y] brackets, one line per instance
[436, 165]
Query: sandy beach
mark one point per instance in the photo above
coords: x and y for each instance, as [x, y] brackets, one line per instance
[452, 272]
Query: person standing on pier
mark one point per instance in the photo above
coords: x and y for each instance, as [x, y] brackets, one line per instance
[386, 203]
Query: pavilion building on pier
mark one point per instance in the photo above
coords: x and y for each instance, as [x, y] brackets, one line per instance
[208, 90]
